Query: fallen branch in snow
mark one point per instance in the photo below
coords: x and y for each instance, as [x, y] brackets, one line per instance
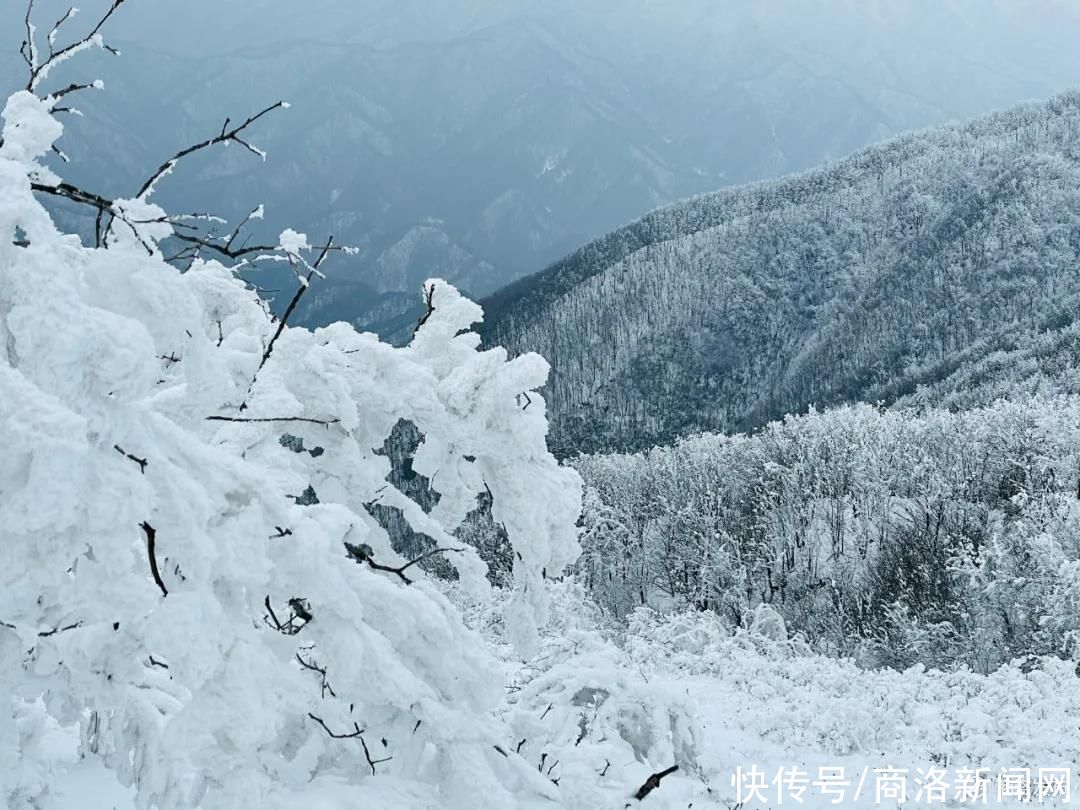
[653, 782]
[151, 552]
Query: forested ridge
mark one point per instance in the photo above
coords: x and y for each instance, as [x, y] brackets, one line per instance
[886, 535]
[918, 269]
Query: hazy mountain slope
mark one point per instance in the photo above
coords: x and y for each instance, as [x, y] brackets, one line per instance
[898, 267]
[481, 140]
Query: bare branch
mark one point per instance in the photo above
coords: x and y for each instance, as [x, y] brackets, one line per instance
[277, 624]
[40, 71]
[55, 630]
[301, 289]
[29, 49]
[429, 294]
[326, 422]
[347, 736]
[293, 304]
[321, 671]
[363, 554]
[71, 12]
[367, 755]
[225, 136]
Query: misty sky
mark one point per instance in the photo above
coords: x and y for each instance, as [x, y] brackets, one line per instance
[482, 139]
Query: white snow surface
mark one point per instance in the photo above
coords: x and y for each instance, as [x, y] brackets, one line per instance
[144, 573]
[154, 647]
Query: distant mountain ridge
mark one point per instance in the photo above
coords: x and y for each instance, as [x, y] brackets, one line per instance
[481, 140]
[916, 270]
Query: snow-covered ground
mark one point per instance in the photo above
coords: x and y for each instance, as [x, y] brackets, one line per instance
[750, 706]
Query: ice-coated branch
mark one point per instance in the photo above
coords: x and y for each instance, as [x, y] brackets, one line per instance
[71, 12]
[356, 734]
[39, 69]
[429, 294]
[28, 49]
[226, 136]
[305, 282]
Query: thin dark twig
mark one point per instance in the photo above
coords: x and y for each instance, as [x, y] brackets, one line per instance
[277, 624]
[225, 136]
[429, 294]
[151, 542]
[431, 553]
[322, 672]
[142, 462]
[367, 755]
[326, 422]
[301, 289]
[55, 630]
[351, 735]
[363, 554]
[28, 48]
[56, 27]
[38, 71]
[293, 304]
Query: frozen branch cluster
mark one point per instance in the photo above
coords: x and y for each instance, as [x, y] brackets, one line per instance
[221, 616]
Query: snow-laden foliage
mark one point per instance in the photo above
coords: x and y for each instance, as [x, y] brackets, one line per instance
[219, 614]
[895, 536]
[768, 701]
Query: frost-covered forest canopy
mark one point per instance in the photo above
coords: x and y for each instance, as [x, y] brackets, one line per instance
[942, 267]
[251, 559]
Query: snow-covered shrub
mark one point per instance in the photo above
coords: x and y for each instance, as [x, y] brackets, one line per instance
[590, 720]
[217, 611]
[697, 641]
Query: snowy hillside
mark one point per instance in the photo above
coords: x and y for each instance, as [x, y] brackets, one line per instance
[942, 266]
[245, 563]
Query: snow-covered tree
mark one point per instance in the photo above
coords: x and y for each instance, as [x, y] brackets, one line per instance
[189, 571]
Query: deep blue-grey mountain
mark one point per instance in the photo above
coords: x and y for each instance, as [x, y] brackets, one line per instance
[480, 140]
[940, 267]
